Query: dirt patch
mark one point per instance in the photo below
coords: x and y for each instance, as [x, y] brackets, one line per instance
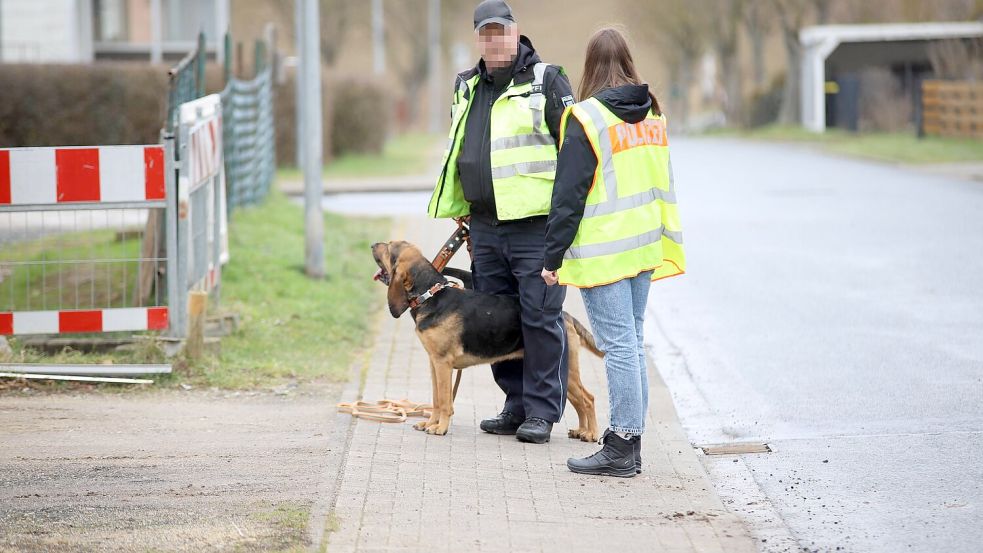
[161, 470]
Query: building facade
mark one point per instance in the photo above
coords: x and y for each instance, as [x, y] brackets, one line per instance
[84, 31]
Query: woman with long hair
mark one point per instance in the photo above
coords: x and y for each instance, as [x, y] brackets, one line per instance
[613, 228]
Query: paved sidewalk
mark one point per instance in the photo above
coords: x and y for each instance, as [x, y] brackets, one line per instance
[412, 183]
[398, 489]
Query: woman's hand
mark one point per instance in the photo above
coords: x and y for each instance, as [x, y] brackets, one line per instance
[549, 277]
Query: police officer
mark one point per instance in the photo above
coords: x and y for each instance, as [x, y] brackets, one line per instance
[499, 169]
[614, 227]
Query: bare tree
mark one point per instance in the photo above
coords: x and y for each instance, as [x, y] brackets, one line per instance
[955, 10]
[883, 11]
[406, 43]
[957, 59]
[822, 10]
[681, 31]
[335, 20]
[758, 21]
[724, 28]
[792, 15]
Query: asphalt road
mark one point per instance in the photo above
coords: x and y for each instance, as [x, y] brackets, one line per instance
[833, 308]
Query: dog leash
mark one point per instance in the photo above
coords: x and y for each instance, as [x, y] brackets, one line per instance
[397, 411]
[386, 410]
[461, 236]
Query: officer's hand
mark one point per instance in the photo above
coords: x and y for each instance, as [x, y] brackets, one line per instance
[549, 277]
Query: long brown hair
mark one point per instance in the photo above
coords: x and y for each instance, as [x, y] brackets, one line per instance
[609, 64]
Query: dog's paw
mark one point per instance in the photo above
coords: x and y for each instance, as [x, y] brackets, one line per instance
[422, 425]
[582, 435]
[590, 437]
[437, 430]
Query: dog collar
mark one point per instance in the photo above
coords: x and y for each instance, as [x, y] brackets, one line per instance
[433, 291]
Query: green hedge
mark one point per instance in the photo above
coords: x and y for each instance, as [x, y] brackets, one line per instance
[360, 119]
[285, 120]
[357, 113]
[79, 105]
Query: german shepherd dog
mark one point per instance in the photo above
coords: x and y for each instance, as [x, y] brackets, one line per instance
[461, 328]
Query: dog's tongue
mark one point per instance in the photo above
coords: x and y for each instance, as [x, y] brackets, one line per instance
[378, 275]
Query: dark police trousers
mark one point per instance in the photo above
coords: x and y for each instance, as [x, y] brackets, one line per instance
[508, 259]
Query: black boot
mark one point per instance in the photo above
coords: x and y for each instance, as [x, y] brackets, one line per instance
[637, 446]
[535, 431]
[616, 458]
[505, 423]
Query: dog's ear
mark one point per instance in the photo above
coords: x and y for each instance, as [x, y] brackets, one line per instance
[399, 300]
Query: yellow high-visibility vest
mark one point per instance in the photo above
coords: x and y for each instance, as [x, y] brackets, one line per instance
[523, 153]
[630, 222]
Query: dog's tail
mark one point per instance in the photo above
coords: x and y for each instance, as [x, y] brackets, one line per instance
[586, 338]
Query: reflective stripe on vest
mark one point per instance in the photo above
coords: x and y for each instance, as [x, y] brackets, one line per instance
[521, 141]
[448, 199]
[539, 136]
[631, 205]
[617, 246]
[523, 168]
[606, 161]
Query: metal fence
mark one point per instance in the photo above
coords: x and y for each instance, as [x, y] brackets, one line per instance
[248, 126]
[187, 82]
[250, 157]
[225, 159]
[202, 243]
[113, 238]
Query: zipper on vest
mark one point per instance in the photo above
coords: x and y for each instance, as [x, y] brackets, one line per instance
[486, 149]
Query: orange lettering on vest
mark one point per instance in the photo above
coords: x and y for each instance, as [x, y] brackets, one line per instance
[649, 132]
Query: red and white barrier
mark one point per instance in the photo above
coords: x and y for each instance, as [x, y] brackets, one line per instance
[89, 320]
[205, 147]
[58, 178]
[44, 176]
[203, 165]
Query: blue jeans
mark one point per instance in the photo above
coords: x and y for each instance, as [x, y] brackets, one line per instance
[616, 312]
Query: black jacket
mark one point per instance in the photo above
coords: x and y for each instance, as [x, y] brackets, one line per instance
[474, 160]
[575, 169]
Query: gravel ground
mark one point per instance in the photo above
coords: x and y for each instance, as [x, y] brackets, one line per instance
[161, 470]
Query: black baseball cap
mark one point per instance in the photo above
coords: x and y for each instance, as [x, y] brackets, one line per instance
[492, 11]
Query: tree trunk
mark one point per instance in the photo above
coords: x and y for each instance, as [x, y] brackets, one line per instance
[822, 11]
[757, 26]
[788, 114]
[758, 59]
[730, 72]
[685, 84]
[412, 101]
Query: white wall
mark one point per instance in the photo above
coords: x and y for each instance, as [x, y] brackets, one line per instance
[44, 31]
